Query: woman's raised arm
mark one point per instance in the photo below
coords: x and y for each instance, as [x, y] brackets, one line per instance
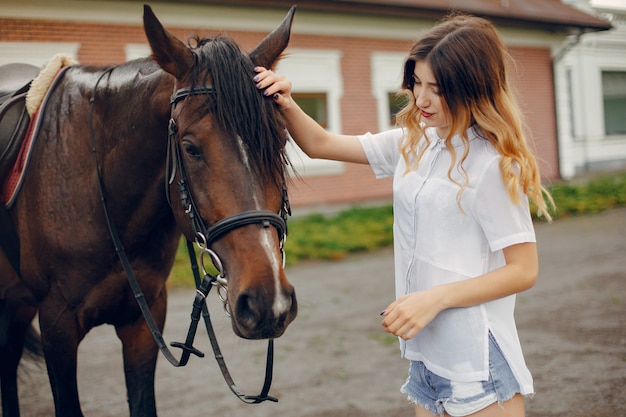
[313, 139]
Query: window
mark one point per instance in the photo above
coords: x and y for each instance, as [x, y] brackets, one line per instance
[386, 79]
[570, 101]
[313, 104]
[317, 88]
[137, 50]
[35, 53]
[614, 100]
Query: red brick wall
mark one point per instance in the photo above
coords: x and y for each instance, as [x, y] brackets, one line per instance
[534, 82]
[358, 109]
[104, 44]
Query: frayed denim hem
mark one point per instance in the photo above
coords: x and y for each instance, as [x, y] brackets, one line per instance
[441, 409]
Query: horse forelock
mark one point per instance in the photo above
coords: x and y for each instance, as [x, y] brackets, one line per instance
[239, 106]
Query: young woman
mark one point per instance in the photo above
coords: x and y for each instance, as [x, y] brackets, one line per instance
[464, 241]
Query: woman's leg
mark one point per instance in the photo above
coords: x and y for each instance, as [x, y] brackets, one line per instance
[422, 412]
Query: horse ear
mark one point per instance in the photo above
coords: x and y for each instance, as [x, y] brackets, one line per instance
[269, 50]
[168, 51]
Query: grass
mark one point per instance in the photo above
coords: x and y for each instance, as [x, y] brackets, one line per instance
[331, 237]
[597, 194]
[319, 236]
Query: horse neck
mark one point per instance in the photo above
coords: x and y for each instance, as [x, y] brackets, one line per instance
[130, 114]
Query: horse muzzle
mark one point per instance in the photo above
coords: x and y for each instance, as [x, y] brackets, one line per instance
[257, 316]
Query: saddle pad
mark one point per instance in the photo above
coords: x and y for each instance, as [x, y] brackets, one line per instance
[43, 82]
[12, 184]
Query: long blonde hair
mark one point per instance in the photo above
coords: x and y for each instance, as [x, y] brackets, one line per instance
[468, 59]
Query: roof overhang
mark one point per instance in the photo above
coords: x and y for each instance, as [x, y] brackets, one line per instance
[549, 15]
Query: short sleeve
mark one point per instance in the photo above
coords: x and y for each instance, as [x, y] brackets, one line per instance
[382, 151]
[504, 222]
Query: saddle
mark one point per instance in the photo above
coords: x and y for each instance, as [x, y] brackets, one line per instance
[15, 81]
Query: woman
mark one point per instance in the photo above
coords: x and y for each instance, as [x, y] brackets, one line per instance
[464, 241]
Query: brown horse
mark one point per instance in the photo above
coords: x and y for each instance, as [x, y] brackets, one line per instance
[221, 162]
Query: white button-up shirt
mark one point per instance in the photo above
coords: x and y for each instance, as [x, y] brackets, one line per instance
[436, 242]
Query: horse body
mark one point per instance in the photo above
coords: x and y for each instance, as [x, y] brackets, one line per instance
[67, 256]
[62, 188]
[70, 271]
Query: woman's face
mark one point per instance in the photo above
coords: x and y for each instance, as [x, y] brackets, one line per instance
[429, 99]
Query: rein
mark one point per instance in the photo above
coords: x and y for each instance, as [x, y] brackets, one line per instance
[204, 237]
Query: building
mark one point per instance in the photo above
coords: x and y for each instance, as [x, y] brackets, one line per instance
[590, 74]
[344, 59]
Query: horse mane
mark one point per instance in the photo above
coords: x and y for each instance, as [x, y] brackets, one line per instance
[239, 106]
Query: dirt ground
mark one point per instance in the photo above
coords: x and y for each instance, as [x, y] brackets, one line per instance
[335, 360]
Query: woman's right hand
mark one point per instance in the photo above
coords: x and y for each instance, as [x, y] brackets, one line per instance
[274, 85]
[312, 138]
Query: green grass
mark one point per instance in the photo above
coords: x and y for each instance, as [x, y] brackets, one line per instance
[319, 236]
[597, 194]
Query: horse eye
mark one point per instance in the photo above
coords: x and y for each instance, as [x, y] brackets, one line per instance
[192, 150]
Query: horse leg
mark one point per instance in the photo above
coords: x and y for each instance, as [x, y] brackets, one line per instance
[17, 310]
[14, 327]
[11, 351]
[60, 336]
[140, 357]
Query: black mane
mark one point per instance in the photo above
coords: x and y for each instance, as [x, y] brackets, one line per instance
[239, 106]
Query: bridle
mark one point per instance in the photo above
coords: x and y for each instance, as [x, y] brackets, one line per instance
[203, 236]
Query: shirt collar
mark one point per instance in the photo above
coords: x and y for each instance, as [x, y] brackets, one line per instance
[472, 133]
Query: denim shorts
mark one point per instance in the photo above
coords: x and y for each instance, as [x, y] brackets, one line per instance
[437, 394]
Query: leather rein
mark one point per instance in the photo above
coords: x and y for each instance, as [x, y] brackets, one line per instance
[203, 238]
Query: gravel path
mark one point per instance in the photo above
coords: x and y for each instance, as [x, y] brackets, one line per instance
[335, 360]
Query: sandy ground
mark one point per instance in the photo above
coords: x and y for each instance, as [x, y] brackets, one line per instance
[335, 360]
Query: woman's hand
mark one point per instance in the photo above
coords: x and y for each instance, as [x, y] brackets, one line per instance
[274, 85]
[409, 314]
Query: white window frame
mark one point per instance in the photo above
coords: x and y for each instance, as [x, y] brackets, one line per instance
[315, 71]
[35, 53]
[386, 78]
[137, 50]
[616, 89]
[590, 148]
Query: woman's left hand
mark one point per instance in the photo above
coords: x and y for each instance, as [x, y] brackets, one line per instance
[409, 314]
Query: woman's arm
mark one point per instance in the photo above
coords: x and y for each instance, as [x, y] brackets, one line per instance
[409, 314]
[313, 139]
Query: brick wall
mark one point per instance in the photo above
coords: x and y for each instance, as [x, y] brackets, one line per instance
[104, 44]
[534, 83]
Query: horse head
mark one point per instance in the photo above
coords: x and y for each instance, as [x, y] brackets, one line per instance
[227, 162]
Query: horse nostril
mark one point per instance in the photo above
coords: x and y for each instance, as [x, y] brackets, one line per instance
[292, 311]
[294, 305]
[247, 311]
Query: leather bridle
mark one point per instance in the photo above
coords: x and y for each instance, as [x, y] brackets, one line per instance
[202, 234]
[203, 238]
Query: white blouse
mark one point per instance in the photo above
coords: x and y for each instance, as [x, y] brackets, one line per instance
[435, 242]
